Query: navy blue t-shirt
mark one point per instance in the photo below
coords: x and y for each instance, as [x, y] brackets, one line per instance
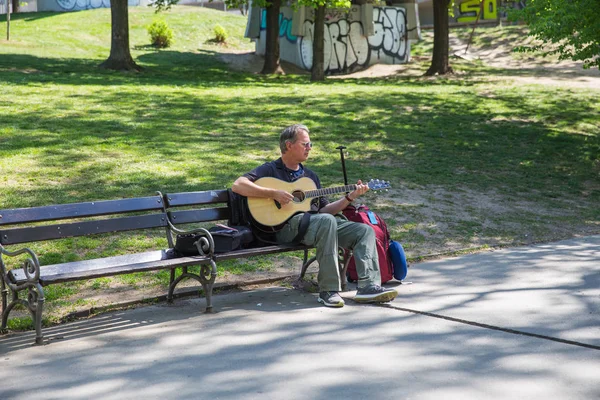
[277, 169]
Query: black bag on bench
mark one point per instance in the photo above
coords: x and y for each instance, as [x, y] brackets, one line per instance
[229, 238]
[226, 238]
[185, 244]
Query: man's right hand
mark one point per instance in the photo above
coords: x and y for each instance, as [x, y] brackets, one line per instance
[246, 187]
[282, 197]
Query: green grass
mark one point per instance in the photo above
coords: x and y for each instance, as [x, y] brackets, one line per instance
[474, 160]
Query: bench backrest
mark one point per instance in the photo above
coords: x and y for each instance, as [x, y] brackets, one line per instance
[197, 207]
[23, 225]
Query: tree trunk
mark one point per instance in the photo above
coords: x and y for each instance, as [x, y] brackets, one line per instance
[271, 65]
[317, 73]
[120, 56]
[16, 4]
[7, 22]
[440, 63]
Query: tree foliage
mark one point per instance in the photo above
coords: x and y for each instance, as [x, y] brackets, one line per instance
[571, 26]
[162, 5]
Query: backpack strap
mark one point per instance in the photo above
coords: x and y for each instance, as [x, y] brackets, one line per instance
[302, 227]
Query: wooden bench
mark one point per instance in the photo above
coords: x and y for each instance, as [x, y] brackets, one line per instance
[159, 213]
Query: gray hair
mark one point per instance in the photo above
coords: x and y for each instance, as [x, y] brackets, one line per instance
[290, 134]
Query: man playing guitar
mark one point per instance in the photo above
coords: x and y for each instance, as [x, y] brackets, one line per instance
[326, 230]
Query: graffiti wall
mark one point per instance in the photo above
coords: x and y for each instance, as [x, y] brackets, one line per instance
[350, 45]
[77, 5]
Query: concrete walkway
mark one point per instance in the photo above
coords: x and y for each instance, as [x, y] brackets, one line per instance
[519, 323]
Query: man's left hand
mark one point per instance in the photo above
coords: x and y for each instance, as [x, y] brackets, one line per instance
[359, 191]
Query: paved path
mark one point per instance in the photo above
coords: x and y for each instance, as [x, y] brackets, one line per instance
[518, 323]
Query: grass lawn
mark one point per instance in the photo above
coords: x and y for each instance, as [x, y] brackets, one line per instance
[475, 160]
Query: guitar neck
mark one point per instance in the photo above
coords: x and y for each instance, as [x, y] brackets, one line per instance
[328, 191]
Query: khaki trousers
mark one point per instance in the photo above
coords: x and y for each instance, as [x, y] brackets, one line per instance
[327, 232]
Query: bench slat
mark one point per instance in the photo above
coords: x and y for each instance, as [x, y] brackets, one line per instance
[204, 215]
[259, 251]
[196, 198]
[60, 231]
[79, 210]
[147, 261]
[90, 269]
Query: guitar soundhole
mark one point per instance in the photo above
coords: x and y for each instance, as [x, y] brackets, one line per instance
[298, 196]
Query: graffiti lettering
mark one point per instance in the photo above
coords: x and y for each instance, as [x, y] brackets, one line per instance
[76, 5]
[347, 49]
[285, 26]
[469, 9]
[390, 34]
[466, 11]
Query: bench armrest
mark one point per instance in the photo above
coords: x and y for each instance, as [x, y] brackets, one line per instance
[31, 266]
[205, 243]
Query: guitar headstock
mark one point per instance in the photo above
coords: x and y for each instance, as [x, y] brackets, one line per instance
[376, 184]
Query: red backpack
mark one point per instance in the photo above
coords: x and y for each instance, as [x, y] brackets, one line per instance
[363, 215]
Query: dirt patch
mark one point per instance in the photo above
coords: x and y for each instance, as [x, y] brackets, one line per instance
[433, 220]
[245, 61]
[541, 71]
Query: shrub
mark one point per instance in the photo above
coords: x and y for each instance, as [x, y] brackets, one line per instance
[220, 34]
[160, 34]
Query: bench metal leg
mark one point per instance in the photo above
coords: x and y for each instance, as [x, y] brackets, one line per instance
[344, 259]
[35, 293]
[207, 276]
[6, 308]
[4, 304]
[35, 298]
[344, 256]
[34, 303]
[171, 280]
[306, 264]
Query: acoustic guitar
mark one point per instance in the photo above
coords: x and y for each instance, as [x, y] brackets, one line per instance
[271, 213]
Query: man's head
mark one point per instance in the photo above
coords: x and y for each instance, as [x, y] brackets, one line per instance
[290, 135]
[295, 142]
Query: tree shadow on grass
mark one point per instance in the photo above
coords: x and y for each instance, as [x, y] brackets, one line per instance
[163, 67]
[166, 67]
[31, 16]
[217, 139]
